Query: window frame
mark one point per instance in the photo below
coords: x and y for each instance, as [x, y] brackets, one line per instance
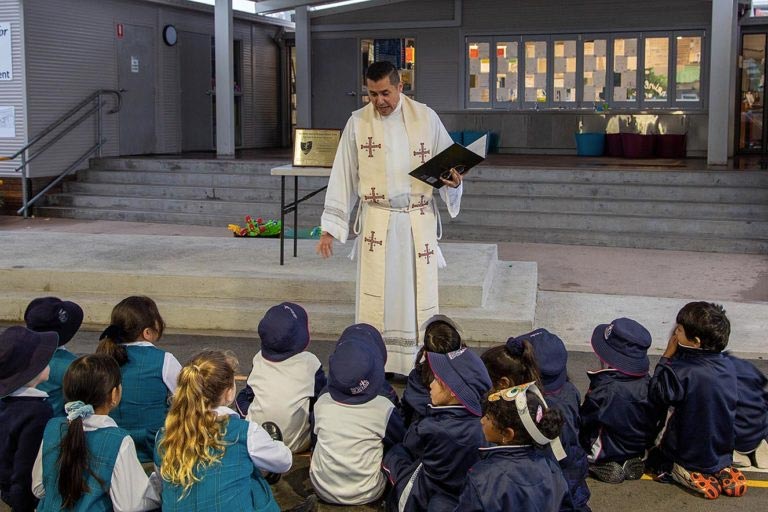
[665, 104]
[579, 84]
[590, 105]
[536, 105]
[701, 104]
[507, 105]
[491, 73]
[613, 103]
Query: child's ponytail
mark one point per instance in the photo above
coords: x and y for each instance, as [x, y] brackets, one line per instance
[128, 321]
[87, 384]
[551, 422]
[193, 432]
[515, 361]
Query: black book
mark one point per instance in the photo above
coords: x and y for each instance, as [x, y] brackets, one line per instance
[454, 156]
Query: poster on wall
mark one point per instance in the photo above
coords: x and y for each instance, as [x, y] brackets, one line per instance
[7, 122]
[6, 59]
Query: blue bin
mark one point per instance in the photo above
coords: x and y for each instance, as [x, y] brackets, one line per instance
[590, 144]
[471, 136]
[458, 137]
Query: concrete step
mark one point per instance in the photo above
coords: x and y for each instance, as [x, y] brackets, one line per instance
[613, 223]
[160, 217]
[227, 284]
[186, 165]
[689, 242]
[670, 177]
[517, 202]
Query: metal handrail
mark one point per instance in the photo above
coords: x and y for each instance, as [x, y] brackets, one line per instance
[95, 98]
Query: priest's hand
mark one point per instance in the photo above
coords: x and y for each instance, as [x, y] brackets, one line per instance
[325, 245]
[454, 178]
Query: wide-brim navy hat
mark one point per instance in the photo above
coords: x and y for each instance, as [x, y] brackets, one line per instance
[23, 355]
[284, 331]
[623, 345]
[366, 333]
[464, 373]
[355, 371]
[46, 314]
[551, 356]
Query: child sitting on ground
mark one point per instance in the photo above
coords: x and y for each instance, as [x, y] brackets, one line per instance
[751, 422]
[86, 462]
[208, 457]
[552, 359]
[24, 410]
[511, 364]
[372, 336]
[618, 421]
[428, 470]
[440, 336]
[148, 373]
[64, 318]
[286, 378]
[517, 473]
[354, 425]
[694, 377]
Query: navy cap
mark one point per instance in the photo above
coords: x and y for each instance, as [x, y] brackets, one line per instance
[46, 314]
[355, 370]
[368, 334]
[623, 345]
[284, 331]
[464, 373]
[23, 355]
[551, 356]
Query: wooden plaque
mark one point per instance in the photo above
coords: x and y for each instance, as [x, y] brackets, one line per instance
[315, 147]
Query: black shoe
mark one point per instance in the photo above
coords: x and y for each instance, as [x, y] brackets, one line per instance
[608, 472]
[274, 432]
[309, 505]
[633, 468]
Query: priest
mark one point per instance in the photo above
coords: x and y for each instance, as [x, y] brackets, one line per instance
[396, 221]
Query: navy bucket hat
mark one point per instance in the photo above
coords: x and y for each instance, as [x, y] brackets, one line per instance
[464, 373]
[46, 314]
[623, 345]
[355, 370]
[23, 355]
[284, 331]
[551, 356]
[368, 334]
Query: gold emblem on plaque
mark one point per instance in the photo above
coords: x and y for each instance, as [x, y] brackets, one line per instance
[315, 147]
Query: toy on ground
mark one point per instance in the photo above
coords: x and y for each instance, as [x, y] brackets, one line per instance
[252, 228]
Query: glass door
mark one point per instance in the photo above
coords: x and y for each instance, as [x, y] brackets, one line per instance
[751, 125]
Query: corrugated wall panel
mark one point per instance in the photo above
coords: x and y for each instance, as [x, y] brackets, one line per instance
[419, 10]
[12, 91]
[266, 99]
[535, 16]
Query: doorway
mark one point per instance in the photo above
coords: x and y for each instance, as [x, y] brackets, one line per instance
[334, 81]
[751, 114]
[136, 81]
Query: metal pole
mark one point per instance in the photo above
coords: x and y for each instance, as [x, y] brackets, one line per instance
[98, 123]
[24, 185]
[295, 213]
[282, 217]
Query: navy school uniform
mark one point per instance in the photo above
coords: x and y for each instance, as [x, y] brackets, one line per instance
[751, 422]
[59, 363]
[415, 398]
[575, 466]
[23, 416]
[513, 478]
[428, 470]
[144, 404]
[618, 420]
[700, 390]
[235, 483]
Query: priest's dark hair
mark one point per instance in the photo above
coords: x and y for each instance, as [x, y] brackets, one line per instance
[382, 69]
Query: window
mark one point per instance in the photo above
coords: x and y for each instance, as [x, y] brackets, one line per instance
[535, 72]
[479, 86]
[400, 52]
[625, 70]
[506, 72]
[594, 74]
[656, 65]
[688, 69]
[564, 75]
[593, 71]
